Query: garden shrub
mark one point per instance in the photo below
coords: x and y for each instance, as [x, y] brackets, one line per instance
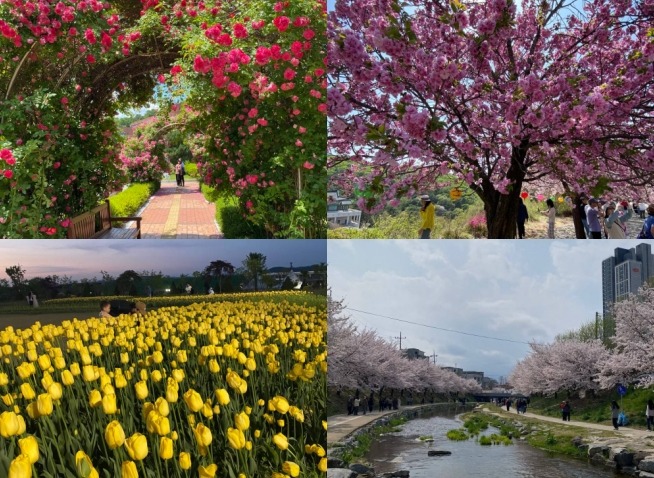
[191, 169]
[129, 201]
[234, 226]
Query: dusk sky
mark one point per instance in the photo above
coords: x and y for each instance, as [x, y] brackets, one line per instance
[517, 290]
[85, 258]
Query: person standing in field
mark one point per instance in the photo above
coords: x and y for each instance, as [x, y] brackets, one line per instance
[427, 213]
[649, 413]
[523, 216]
[593, 215]
[615, 413]
[551, 215]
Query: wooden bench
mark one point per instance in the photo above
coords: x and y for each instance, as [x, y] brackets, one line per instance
[97, 224]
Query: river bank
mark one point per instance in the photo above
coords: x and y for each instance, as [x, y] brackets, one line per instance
[628, 451]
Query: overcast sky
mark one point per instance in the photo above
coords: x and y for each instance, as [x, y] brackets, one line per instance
[517, 290]
[85, 258]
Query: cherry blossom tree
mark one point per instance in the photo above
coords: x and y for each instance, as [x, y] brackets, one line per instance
[632, 359]
[363, 359]
[570, 365]
[498, 96]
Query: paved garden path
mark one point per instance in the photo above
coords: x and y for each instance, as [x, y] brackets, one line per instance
[179, 213]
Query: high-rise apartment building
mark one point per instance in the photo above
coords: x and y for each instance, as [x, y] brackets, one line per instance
[625, 273]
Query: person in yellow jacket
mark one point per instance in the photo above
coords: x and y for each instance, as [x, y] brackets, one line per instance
[427, 213]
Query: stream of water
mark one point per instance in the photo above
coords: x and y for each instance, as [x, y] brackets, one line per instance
[403, 451]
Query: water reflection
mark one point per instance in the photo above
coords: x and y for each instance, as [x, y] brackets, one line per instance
[403, 451]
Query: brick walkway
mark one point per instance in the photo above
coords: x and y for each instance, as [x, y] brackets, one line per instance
[179, 213]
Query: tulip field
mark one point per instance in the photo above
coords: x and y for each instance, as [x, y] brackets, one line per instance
[232, 389]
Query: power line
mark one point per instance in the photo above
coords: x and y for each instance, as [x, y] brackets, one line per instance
[437, 328]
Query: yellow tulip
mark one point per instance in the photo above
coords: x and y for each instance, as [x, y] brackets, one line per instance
[162, 406]
[141, 389]
[90, 373]
[95, 398]
[242, 421]
[8, 424]
[137, 446]
[67, 378]
[181, 356]
[208, 471]
[29, 447]
[121, 381]
[207, 412]
[236, 382]
[124, 358]
[203, 435]
[235, 438]
[59, 363]
[213, 366]
[27, 391]
[128, 470]
[32, 410]
[75, 370]
[4, 379]
[250, 364]
[281, 441]
[44, 362]
[20, 467]
[296, 413]
[279, 404]
[178, 375]
[193, 400]
[222, 396]
[85, 468]
[21, 425]
[184, 460]
[322, 465]
[291, 468]
[109, 404]
[165, 448]
[114, 435]
[44, 404]
[55, 390]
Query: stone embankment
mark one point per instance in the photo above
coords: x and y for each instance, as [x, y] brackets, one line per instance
[629, 451]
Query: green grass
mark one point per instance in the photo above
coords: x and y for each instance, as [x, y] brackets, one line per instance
[229, 217]
[476, 423]
[457, 435]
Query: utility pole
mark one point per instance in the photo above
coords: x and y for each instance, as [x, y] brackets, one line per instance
[400, 337]
[433, 355]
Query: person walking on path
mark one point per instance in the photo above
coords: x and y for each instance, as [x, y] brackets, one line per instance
[363, 404]
[371, 402]
[551, 215]
[647, 231]
[427, 213]
[649, 413]
[615, 220]
[592, 214]
[523, 215]
[178, 172]
[565, 411]
[582, 213]
[615, 413]
[355, 409]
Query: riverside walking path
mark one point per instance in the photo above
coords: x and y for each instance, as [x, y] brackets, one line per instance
[626, 432]
[340, 426]
[179, 213]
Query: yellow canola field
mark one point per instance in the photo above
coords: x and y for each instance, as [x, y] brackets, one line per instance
[228, 389]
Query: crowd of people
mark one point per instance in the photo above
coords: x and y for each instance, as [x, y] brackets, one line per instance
[601, 219]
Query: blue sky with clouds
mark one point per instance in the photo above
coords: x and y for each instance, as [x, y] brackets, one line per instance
[517, 290]
[85, 258]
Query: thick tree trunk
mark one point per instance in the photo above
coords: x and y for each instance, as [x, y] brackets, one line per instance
[501, 213]
[502, 209]
[580, 232]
